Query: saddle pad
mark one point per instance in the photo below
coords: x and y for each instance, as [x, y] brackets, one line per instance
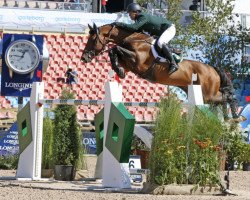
[155, 54]
[178, 57]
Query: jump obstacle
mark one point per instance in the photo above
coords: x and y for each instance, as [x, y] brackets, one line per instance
[113, 173]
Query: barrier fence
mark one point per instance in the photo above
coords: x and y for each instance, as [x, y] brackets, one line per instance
[94, 102]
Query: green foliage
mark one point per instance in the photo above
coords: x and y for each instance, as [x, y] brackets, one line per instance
[235, 145]
[137, 143]
[182, 150]
[67, 142]
[47, 152]
[219, 36]
[245, 153]
[9, 162]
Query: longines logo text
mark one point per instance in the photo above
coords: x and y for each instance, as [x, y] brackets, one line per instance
[19, 86]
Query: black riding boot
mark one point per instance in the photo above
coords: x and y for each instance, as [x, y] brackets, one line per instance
[167, 52]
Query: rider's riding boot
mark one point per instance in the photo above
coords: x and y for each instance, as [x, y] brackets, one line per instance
[167, 52]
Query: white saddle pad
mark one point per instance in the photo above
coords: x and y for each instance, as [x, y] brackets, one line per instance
[156, 55]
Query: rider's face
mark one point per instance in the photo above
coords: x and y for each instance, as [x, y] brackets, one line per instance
[133, 15]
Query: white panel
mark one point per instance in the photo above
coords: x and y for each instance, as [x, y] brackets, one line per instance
[30, 160]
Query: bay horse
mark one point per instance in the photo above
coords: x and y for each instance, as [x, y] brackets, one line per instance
[133, 53]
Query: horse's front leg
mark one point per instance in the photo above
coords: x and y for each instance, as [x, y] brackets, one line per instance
[113, 55]
[119, 56]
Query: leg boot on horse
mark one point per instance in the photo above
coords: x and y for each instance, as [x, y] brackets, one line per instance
[167, 52]
[115, 64]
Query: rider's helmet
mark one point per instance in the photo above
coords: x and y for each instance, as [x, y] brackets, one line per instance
[133, 7]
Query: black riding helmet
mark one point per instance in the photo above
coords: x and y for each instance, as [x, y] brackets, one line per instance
[133, 7]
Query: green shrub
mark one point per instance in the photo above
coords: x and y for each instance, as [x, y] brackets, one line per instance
[67, 137]
[185, 149]
[238, 150]
[47, 152]
[9, 162]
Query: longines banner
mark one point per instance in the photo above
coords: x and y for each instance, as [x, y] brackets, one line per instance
[12, 83]
[89, 142]
[9, 141]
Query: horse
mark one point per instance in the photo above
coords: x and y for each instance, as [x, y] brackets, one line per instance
[133, 52]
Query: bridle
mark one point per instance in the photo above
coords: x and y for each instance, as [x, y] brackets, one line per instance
[103, 42]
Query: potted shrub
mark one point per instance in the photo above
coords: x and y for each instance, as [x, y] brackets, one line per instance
[47, 150]
[238, 151]
[245, 156]
[232, 141]
[67, 147]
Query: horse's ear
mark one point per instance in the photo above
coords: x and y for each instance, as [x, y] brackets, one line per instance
[90, 27]
[95, 28]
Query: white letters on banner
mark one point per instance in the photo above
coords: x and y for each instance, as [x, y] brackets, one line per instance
[50, 19]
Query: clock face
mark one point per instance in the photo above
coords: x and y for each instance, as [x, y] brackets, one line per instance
[22, 56]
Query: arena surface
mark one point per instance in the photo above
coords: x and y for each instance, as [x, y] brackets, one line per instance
[75, 190]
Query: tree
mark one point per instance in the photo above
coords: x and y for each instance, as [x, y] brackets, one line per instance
[220, 36]
[217, 33]
[67, 146]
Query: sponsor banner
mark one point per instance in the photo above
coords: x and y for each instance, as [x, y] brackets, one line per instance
[9, 141]
[89, 142]
[50, 19]
[19, 84]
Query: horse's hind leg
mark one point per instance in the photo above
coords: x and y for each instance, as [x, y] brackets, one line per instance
[229, 96]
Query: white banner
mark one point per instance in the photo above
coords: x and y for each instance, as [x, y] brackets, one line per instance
[50, 19]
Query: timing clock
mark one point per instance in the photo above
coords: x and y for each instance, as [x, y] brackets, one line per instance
[22, 57]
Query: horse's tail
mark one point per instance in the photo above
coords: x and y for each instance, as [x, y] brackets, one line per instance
[228, 92]
[225, 80]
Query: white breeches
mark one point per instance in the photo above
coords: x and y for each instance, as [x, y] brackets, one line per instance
[167, 35]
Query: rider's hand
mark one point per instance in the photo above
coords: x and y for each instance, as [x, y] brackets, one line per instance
[116, 23]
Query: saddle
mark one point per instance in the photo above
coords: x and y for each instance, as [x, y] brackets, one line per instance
[159, 56]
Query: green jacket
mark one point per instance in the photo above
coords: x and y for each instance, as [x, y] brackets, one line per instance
[152, 24]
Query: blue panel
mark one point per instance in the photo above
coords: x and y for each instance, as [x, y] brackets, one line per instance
[19, 84]
[245, 93]
[246, 113]
[89, 142]
[9, 141]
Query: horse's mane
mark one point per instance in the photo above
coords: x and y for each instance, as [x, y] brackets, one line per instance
[137, 35]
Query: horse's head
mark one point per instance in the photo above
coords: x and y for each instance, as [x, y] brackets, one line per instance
[96, 43]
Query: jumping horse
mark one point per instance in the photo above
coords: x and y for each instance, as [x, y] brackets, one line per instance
[132, 52]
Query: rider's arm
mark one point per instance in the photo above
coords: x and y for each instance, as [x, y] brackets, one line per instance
[139, 23]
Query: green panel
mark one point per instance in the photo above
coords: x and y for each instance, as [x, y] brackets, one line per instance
[120, 131]
[99, 131]
[24, 127]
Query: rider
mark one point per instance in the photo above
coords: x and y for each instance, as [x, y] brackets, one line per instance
[154, 25]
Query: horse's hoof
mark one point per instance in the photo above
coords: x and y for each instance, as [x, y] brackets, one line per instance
[121, 73]
[238, 119]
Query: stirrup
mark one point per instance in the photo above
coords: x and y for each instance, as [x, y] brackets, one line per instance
[172, 69]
